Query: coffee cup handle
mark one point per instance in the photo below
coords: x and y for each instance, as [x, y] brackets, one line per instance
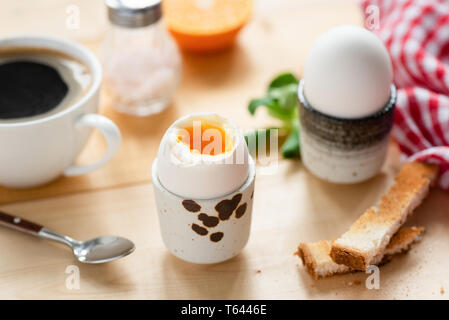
[113, 139]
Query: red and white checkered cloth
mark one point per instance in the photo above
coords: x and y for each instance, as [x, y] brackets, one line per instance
[416, 34]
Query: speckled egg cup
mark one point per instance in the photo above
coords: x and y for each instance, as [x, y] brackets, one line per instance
[205, 231]
[344, 150]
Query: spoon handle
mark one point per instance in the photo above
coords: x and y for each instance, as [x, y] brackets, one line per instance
[20, 224]
[35, 229]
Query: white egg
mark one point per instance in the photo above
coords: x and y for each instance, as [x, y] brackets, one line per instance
[348, 73]
[189, 170]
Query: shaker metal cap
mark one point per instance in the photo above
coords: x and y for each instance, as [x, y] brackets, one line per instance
[134, 13]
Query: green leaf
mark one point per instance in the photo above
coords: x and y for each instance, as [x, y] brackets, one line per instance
[286, 96]
[283, 80]
[290, 101]
[253, 136]
[280, 113]
[281, 103]
[256, 103]
[290, 148]
[273, 106]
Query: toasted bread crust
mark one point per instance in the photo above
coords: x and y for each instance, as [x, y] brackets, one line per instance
[307, 260]
[349, 257]
[401, 242]
[404, 236]
[364, 243]
[316, 256]
[309, 253]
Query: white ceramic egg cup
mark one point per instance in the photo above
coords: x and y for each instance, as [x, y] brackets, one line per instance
[205, 231]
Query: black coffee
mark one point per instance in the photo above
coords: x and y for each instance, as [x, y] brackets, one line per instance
[29, 88]
[38, 82]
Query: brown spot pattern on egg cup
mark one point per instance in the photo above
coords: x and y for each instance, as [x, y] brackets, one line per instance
[240, 211]
[217, 236]
[191, 205]
[208, 221]
[200, 230]
[226, 207]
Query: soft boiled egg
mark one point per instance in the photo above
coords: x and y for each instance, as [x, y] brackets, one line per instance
[202, 156]
[348, 73]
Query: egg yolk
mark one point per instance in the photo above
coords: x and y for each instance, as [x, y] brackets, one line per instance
[206, 138]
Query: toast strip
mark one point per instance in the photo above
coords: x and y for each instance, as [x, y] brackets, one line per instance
[315, 256]
[370, 234]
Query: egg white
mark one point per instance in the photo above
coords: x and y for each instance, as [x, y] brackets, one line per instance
[191, 174]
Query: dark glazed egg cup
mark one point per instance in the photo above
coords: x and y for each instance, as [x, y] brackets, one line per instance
[205, 231]
[344, 150]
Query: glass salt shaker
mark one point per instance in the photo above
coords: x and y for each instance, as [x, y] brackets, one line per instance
[142, 64]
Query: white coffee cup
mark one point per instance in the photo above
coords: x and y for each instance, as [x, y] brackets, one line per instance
[38, 151]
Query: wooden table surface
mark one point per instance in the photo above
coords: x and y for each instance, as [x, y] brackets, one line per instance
[290, 206]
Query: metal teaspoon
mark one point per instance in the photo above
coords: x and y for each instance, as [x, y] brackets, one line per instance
[97, 250]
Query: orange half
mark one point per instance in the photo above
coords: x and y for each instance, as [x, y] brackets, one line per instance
[206, 25]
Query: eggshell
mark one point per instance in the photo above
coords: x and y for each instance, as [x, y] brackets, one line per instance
[348, 73]
[199, 176]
